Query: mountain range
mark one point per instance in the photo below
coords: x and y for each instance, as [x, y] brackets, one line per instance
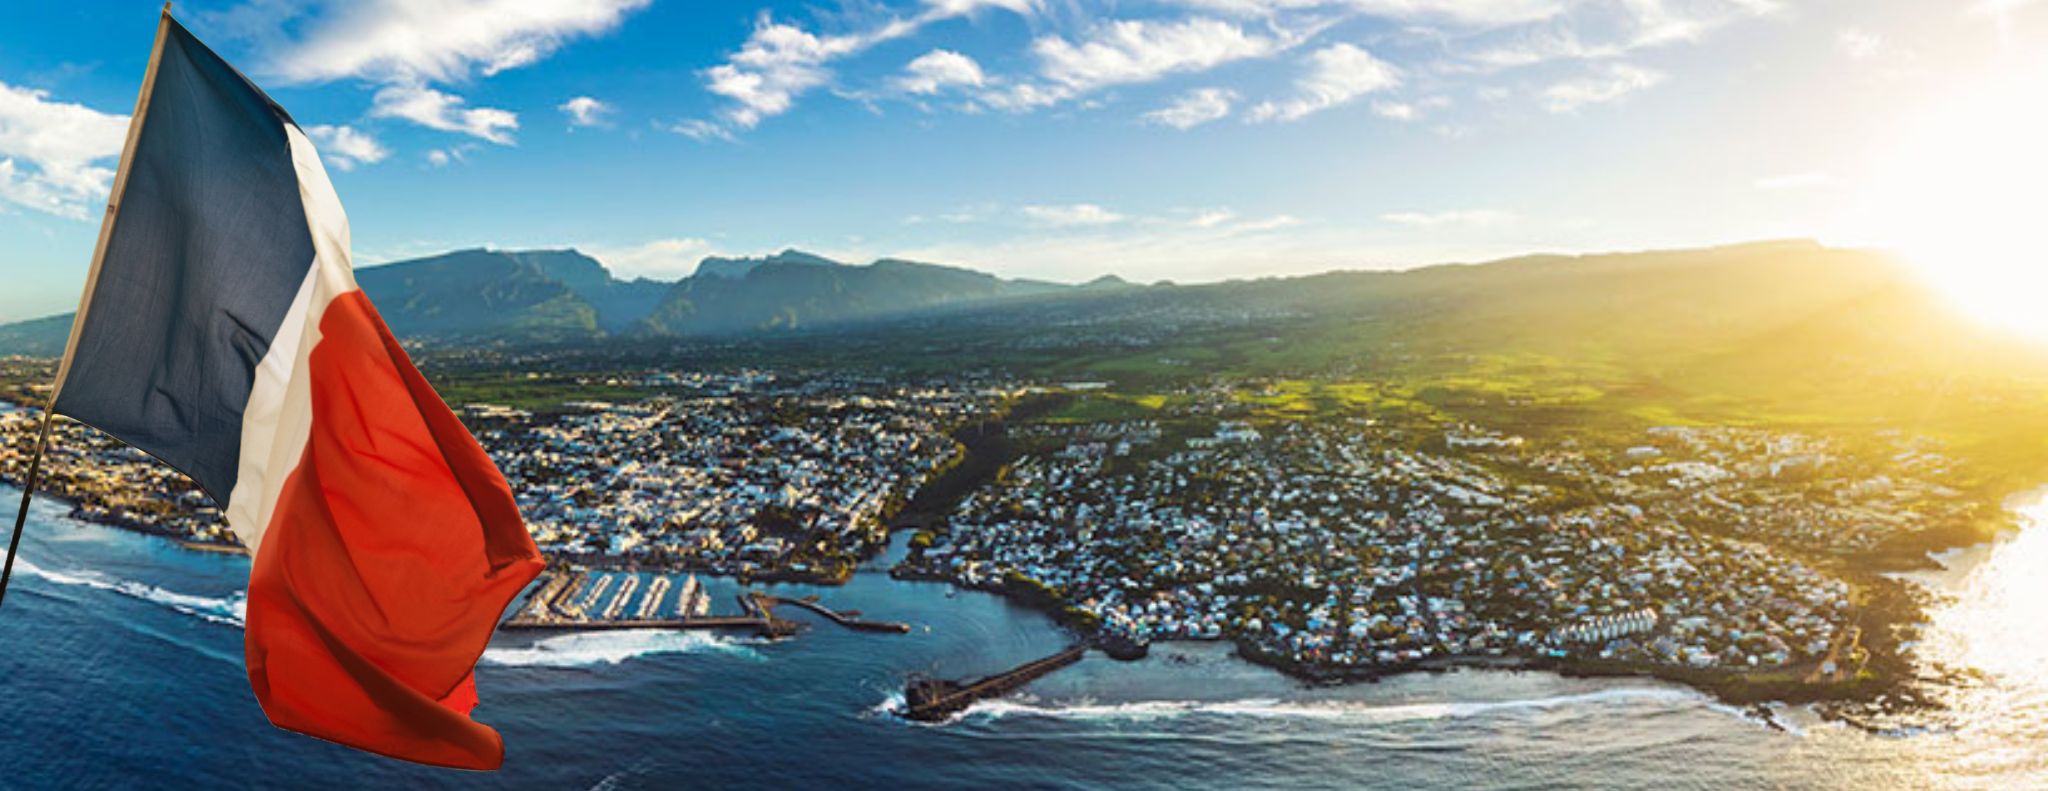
[563, 296]
[1784, 308]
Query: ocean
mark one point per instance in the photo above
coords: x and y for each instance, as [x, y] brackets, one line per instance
[121, 656]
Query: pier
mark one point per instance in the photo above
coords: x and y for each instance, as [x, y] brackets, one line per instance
[931, 699]
[848, 618]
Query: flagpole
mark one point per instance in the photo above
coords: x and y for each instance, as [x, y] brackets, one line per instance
[92, 278]
[28, 488]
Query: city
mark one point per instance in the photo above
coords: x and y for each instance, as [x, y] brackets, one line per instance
[1331, 547]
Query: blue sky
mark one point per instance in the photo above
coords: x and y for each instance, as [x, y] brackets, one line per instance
[1186, 139]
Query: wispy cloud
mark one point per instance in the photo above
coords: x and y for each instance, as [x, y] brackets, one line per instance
[1607, 31]
[961, 215]
[449, 113]
[1136, 50]
[586, 111]
[1194, 108]
[1072, 215]
[345, 147]
[938, 70]
[1149, 251]
[1463, 218]
[443, 157]
[1606, 83]
[1478, 13]
[1336, 75]
[408, 47]
[701, 130]
[440, 41]
[661, 259]
[1083, 58]
[1133, 51]
[55, 156]
[776, 65]
[781, 61]
[1859, 44]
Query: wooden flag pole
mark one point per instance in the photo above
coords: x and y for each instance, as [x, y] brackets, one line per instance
[92, 278]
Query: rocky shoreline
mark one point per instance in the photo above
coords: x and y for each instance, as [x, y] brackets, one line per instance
[1885, 682]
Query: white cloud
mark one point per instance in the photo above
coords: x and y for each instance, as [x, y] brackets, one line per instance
[439, 40]
[1478, 13]
[1464, 218]
[1083, 56]
[54, 155]
[1133, 51]
[407, 46]
[940, 69]
[1608, 83]
[1072, 215]
[1273, 223]
[585, 111]
[1793, 181]
[1414, 110]
[443, 157]
[662, 259]
[1859, 44]
[1127, 52]
[1194, 108]
[1605, 31]
[780, 62]
[1337, 74]
[953, 8]
[1153, 251]
[1397, 111]
[436, 110]
[1541, 46]
[701, 130]
[1230, 220]
[344, 147]
[777, 63]
[959, 215]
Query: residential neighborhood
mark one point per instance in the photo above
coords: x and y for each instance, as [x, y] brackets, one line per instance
[1331, 546]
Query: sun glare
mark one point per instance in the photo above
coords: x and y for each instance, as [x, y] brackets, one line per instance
[1963, 195]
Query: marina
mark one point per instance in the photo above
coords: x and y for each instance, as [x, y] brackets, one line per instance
[574, 599]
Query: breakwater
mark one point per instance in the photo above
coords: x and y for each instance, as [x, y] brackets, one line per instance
[929, 699]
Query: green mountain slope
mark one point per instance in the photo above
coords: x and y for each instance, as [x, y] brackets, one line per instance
[44, 337]
[477, 296]
[795, 290]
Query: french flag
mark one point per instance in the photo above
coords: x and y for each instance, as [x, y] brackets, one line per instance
[222, 332]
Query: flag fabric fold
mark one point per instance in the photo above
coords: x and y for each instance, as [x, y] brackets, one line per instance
[222, 331]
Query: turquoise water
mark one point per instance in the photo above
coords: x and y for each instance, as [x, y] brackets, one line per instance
[121, 656]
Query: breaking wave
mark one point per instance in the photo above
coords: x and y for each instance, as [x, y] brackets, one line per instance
[1332, 711]
[585, 649]
[231, 610]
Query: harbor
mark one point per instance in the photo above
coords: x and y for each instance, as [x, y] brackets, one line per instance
[576, 599]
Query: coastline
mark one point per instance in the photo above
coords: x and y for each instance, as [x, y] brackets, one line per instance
[77, 512]
[1887, 681]
[1898, 609]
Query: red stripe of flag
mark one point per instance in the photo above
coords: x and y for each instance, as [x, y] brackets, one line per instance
[394, 549]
